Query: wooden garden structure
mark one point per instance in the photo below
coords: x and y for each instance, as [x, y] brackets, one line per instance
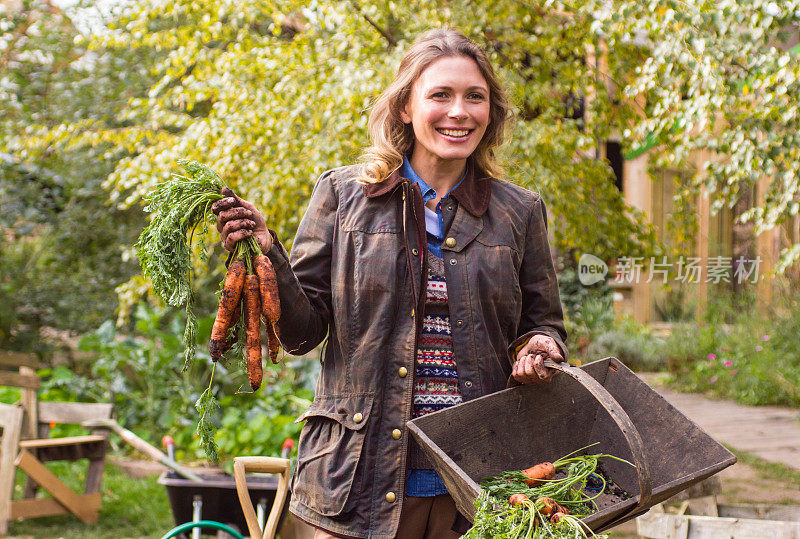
[25, 445]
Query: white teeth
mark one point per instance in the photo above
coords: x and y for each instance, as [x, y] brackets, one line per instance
[454, 132]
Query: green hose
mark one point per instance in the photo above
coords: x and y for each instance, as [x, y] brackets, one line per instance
[203, 524]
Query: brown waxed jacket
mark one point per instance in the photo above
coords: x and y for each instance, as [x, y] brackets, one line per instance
[357, 274]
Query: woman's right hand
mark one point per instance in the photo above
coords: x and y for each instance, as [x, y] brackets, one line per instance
[238, 219]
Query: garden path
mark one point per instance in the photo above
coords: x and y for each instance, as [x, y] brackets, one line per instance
[769, 432]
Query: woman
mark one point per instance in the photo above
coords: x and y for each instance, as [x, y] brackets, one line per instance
[418, 262]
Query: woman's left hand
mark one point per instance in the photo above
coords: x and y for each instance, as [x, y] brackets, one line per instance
[529, 368]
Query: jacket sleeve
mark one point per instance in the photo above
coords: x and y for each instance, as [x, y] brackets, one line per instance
[304, 279]
[541, 304]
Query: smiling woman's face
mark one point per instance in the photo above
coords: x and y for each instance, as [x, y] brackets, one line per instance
[448, 109]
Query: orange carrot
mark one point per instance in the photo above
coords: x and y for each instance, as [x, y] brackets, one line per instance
[549, 506]
[268, 282]
[234, 335]
[518, 499]
[252, 327]
[273, 342]
[228, 302]
[270, 302]
[536, 474]
[557, 516]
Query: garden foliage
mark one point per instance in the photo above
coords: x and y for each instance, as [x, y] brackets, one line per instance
[271, 94]
[62, 245]
[754, 360]
[727, 353]
[141, 374]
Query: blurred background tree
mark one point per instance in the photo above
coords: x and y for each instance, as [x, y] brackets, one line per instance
[62, 242]
[272, 94]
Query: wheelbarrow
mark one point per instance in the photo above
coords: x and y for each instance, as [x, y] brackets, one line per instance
[204, 500]
[601, 403]
[215, 495]
[209, 503]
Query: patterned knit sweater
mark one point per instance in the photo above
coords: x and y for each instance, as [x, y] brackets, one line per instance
[436, 375]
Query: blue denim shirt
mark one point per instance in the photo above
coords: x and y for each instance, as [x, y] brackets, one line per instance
[427, 482]
[434, 221]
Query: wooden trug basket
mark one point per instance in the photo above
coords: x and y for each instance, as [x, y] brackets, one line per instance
[602, 402]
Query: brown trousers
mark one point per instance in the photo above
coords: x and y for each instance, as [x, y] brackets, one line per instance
[429, 517]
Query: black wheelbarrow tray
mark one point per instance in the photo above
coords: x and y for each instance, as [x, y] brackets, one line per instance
[217, 498]
[603, 402]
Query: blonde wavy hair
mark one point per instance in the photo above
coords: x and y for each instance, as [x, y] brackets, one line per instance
[391, 138]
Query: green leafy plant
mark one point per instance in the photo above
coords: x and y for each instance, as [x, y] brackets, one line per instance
[140, 373]
[207, 406]
[178, 207]
[675, 306]
[510, 506]
[733, 354]
[588, 305]
[631, 342]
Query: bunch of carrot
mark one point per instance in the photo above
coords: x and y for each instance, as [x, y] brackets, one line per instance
[180, 207]
[250, 291]
[534, 503]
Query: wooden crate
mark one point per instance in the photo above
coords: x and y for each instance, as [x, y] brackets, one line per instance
[734, 521]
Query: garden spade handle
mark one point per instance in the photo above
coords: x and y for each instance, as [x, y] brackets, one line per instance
[142, 446]
[242, 465]
[621, 419]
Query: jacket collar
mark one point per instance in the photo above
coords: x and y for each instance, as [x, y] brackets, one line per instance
[473, 192]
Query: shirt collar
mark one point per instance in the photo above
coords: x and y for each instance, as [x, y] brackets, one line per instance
[473, 192]
[428, 192]
[408, 172]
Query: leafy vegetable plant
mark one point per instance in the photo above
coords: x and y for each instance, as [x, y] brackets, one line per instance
[178, 206]
[534, 503]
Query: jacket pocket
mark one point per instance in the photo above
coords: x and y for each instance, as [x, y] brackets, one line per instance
[497, 269]
[329, 451]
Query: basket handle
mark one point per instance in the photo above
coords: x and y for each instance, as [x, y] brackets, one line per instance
[622, 420]
[242, 465]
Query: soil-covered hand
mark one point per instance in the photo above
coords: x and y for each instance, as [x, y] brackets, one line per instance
[529, 367]
[238, 219]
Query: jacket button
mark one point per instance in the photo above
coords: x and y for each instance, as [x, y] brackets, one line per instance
[358, 417]
[468, 383]
[450, 208]
[390, 497]
[459, 323]
[402, 371]
[453, 262]
[414, 251]
[450, 242]
[396, 434]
